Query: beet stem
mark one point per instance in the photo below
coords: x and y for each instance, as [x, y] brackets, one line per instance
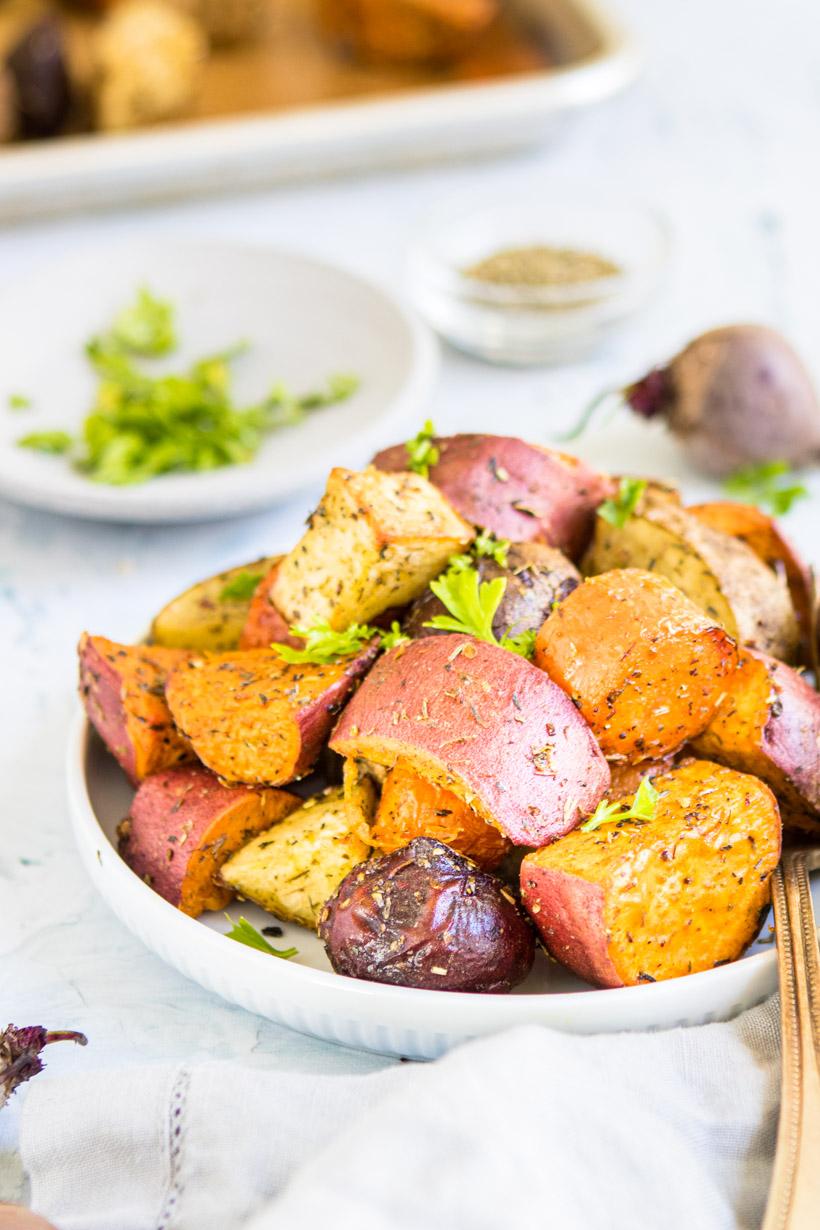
[588, 414]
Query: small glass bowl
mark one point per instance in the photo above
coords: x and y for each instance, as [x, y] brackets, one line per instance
[524, 323]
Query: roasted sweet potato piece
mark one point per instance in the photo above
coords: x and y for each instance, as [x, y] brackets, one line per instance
[295, 867]
[427, 917]
[719, 574]
[122, 689]
[209, 616]
[645, 667]
[763, 535]
[251, 717]
[537, 577]
[412, 807]
[375, 541]
[517, 490]
[638, 902]
[768, 723]
[184, 824]
[485, 724]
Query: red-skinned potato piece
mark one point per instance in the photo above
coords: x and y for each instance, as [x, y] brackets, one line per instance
[251, 717]
[184, 824]
[516, 490]
[485, 724]
[425, 916]
[644, 665]
[631, 902]
[768, 723]
[122, 690]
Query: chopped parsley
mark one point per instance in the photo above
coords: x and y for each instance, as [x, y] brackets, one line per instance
[324, 646]
[240, 588]
[422, 452]
[18, 401]
[472, 605]
[485, 545]
[245, 933]
[642, 808]
[767, 486]
[620, 508]
[142, 425]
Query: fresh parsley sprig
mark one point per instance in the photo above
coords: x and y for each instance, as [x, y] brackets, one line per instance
[324, 646]
[241, 587]
[245, 933]
[472, 605]
[767, 486]
[622, 505]
[642, 808]
[485, 545]
[422, 452]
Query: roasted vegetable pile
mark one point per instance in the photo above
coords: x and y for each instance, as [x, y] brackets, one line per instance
[523, 702]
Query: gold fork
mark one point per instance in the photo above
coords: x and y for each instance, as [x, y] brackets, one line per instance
[794, 1198]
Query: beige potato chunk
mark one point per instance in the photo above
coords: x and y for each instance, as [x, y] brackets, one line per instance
[294, 868]
[375, 541]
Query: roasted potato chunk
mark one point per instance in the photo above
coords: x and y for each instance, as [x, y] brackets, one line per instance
[412, 807]
[294, 868]
[483, 723]
[251, 717]
[427, 917]
[374, 542]
[184, 824]
[517, 490]
[210, 616]
[537, 577]
[122, 690]
[637, 902]
[645, 667]
[719, 574]
[768, 723]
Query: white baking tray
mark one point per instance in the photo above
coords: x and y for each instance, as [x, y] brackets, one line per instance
[597, 58]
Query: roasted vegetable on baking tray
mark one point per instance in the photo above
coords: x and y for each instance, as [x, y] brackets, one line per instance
[430, 644]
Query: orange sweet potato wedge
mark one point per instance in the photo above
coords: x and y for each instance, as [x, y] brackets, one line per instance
[763, 535]
[265, 624]
[122, 689]
[253, 718]
[412, 807]
[184, 824]
[768, 723]
[638, 902]
[484, 724]
[645, 667]
[517, 490]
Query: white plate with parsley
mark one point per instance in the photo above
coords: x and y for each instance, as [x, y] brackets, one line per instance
[180, 381]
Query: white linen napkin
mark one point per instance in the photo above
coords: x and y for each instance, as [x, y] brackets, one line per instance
[528, 1128]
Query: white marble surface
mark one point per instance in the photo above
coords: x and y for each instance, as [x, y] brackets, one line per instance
[723, 132]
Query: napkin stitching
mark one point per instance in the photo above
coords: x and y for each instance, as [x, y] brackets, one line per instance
[177, 1108]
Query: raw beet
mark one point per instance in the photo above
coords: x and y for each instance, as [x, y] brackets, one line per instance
[37, 65]
[427, 917]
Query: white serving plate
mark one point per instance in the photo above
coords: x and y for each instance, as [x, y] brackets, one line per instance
[598, 59]
[305, 995]
[304, 320]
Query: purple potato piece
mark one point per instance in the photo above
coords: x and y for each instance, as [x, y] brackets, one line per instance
[427, 917]
[537, 577]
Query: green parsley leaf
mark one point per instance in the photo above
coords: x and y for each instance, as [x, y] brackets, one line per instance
[643, 808]
[523, 643]
[472, 603]
[394, 638]
[324, 646]
[618, 510]
[487, 546]
[55, 442]
[144, 328]
[764, 486]
[422, 452]
[18, 401]
[240, 588]
[245, 933]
